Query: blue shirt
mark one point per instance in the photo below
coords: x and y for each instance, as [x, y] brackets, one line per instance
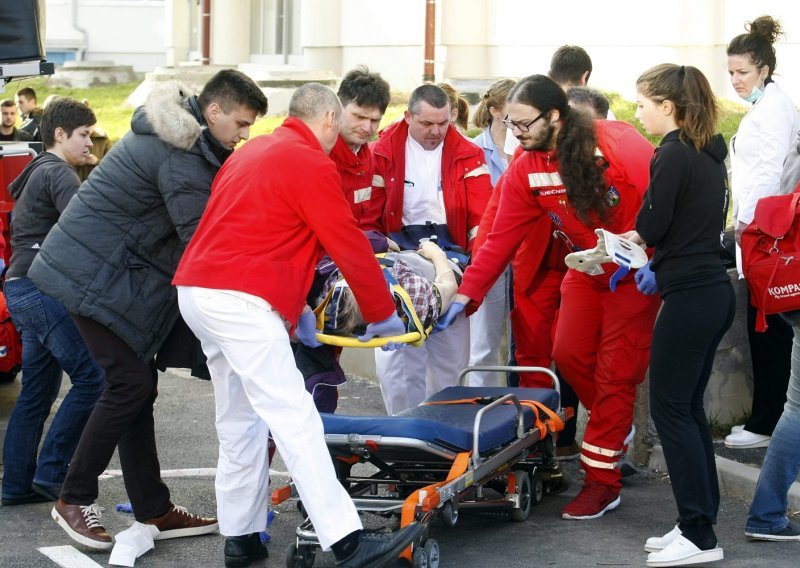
[494, 157]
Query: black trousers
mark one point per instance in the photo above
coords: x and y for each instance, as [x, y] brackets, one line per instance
[685, 339]
[122, 417]
[771, 353]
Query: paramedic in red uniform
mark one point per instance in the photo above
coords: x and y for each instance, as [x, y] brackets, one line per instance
[364, 97]
[430, 173]
[241, 286]
[582, 175]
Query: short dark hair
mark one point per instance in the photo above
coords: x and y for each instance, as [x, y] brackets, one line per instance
[589, 97]
[368, 90]
[229, 89]
[7, 103]
[568, 65]
[28, 93]
[430, 94]
[65, 113]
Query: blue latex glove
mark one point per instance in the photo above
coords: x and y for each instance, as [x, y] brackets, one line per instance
[389, 327]
[646, 280]
[306, 330]
[447, 319]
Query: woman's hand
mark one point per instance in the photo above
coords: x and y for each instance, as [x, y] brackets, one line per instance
[634, 237]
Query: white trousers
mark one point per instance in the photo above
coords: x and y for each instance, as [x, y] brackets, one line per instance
[486, 332]
[409, 375]
[258, 390]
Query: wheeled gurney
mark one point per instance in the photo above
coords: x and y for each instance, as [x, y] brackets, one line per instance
[464, 447]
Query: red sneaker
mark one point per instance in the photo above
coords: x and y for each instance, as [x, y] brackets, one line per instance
[592, 502]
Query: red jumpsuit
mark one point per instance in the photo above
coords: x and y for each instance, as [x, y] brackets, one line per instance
[602, 338]
[538, 271]
[357, 170]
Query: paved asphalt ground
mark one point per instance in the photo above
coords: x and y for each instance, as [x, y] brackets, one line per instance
[184, 421]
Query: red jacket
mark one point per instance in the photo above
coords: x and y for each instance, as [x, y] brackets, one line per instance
[466, 184]
[274, 205]
[356, 170]
[532, 192]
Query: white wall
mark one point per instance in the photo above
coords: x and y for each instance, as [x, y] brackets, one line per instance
[127, 32]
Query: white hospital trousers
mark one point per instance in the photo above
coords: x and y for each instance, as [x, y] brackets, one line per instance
[486, 328]
[258, 390]
[409, 375]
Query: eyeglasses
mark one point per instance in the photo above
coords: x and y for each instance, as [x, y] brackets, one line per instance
[523, 126]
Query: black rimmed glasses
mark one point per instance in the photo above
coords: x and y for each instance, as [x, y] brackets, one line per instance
[523, 126]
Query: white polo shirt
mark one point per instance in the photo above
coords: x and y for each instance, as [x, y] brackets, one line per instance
[422, 194]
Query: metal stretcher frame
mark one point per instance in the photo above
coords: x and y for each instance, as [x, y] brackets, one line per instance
[518, 470]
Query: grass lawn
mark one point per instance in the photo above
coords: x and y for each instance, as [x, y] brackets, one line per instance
[113, 116]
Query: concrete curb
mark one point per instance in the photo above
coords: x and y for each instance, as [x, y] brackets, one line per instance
[734, 478]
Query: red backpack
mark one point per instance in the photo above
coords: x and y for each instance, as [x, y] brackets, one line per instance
[771, 256]
[10, 345]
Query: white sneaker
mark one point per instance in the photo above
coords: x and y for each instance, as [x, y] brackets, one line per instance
[682, 552]
[736, 429]
[658, 543]
[745, 439]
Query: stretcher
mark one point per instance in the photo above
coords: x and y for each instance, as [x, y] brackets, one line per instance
[463, 448]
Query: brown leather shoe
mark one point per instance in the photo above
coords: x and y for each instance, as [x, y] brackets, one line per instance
[178, 522]
[82, 524]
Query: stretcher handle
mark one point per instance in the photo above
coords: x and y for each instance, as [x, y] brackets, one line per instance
[414, 338]
[476, 427]
[508, 369]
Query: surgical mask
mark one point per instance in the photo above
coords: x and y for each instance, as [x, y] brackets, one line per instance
[757, 91]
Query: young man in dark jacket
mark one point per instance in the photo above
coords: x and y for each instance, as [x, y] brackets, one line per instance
[110, 260]
[51, 343]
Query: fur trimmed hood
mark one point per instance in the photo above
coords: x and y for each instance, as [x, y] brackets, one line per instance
[166, 113]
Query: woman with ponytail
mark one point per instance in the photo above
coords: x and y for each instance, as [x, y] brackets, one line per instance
[683, 216]
[487, 324]
[757, 152]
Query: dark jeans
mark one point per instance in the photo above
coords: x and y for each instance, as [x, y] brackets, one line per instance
[685, 339]
[51, 345]
[123, 417]
[771, 353]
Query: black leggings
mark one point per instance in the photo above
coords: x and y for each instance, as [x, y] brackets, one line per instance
[685, 339]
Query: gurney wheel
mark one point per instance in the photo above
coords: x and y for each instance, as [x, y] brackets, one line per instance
[420, 558]
[450, 514]
[302, 557]
[537, 491]
[524, 491]
[432, 550]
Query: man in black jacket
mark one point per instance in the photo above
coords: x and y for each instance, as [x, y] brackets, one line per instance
[110, 260]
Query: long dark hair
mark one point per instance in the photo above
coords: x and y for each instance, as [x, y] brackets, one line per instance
[575, 144]
[688, 89]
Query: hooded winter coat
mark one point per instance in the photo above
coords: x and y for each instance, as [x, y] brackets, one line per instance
[116, 246]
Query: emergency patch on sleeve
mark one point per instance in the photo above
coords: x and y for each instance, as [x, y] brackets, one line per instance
[552, 179]
[361, 195]
[378, 181]
[479, 171]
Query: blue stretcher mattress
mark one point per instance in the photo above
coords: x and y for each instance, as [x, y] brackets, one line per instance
[449, 425]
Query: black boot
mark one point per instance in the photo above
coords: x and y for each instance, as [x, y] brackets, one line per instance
[242, 550]
[376, 549]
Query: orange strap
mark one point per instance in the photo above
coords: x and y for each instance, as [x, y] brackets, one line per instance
[553, 420]
[459, 466]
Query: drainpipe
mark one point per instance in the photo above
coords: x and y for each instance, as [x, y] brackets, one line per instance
[430, 41]
[73, 9]
[205, 27]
